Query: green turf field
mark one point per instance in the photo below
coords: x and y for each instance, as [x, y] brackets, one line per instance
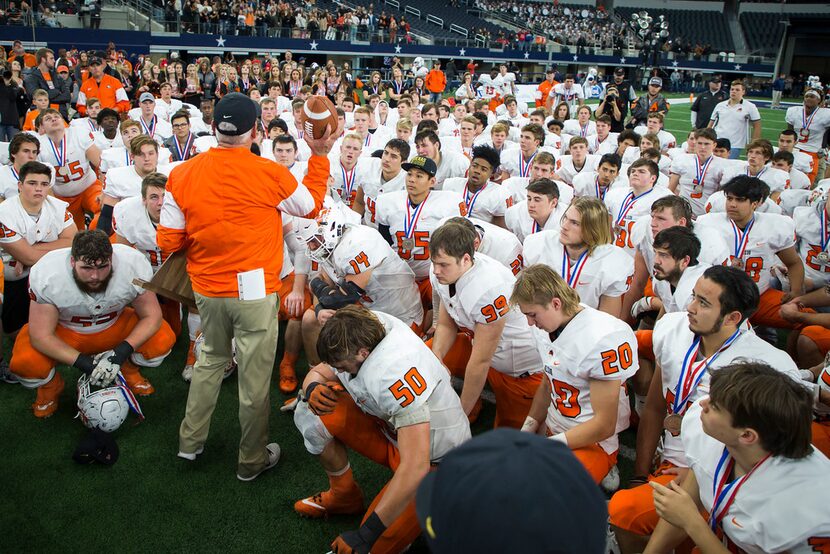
[151, 501]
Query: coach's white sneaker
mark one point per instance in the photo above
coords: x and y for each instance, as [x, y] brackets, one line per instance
[611, 545]
[273, 457]
[191, 457]
[187, 372]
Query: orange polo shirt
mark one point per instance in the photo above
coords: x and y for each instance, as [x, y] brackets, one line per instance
[229, 199]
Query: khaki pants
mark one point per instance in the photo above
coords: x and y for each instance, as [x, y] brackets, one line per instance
[253, 323]
[776, 99]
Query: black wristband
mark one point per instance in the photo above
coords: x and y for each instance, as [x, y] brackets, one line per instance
[309, 389]
[85, 363]
[122, 352]
[372, 529]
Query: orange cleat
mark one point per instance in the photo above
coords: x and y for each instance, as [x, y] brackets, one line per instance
[46, 402]
[135, 380]
[324, 504]
[288, 378]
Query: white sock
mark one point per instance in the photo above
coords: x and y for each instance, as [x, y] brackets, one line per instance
[639, 403]
[194, 324]
[341, 472]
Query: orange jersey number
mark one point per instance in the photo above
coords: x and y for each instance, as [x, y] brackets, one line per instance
[566, 398]
[809, 260]
[615, 360]
[516, 265]
[405, 390]
[360, 259]
[624, 235]
[421, 241]
[75, 172]
[497, 309]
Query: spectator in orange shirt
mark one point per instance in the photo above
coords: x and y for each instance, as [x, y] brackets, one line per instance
[545, 86]
[224, 208]
[20, 54]
[436, 82]
[105, 88]
[41, 101]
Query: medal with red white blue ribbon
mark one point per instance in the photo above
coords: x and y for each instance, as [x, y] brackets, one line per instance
[691, 374]
[570, 272]
[182, 153]
[129, 397]
[741, 238]
[628, 204]
[524, 166]
[700, 170]
[348, 182]
[725, 491]
[151, 129]
[411, 222]
[60, 151]
[601, 191]
[470, 202]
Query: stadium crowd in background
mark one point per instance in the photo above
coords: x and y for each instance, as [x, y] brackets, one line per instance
[593, 270]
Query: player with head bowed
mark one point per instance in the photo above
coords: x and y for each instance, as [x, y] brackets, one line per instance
[73, 154]
[86, 312]
[689, 347]
[385, 175]
[761, 240]
[583, 253]
[377, 380]
[751, 464]
[483, 198]
[353, 263]
[493, 241]
[478, 335]
[588, 355]
[407, 218]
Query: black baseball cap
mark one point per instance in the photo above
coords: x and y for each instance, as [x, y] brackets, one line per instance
[716, 79]
[508, 491]
[234, 114]
[427, 165]
[96, 447]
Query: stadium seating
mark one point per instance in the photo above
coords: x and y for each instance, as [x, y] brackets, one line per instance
[763, 31]
[694, 26]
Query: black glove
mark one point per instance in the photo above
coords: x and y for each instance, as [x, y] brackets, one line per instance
[85, 363]
[362, 539]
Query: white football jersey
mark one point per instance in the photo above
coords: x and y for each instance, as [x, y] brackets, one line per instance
[499, 244]
[672, 339]
[625, 208]
[520, 223]
[490, 86]
[776, 179]
[633, 153]
[517, 186]
[587, 184]
[515, 163]
[799, 180]
[490, 201]
[123, 182]
[608, 145]
[713, 247]
[567, 172]
[453, 164]
[73, 174]
[606, 272]
[667, 140]
[391, 288]
[105, 143]
[592, 346]
[810, 129]
[346, 181]
[677, 299]
[697, 179]
[573, 128]
[769, 234]
[120, 157]
[397, 393]
[157, 128]
[808, 232]
[781, 507]
[717, 204]
[85, 123]
[481, 296]
[131, 220]
[448, 127]
[373, 186]
[51, 282]
[395, 211]
[9, 179]
[17, 224]
[570, 96]
[733, 121]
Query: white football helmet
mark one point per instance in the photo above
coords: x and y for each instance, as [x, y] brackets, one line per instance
[104, 409]
[331, 224]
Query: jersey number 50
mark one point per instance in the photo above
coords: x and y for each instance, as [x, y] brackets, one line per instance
[405, 390]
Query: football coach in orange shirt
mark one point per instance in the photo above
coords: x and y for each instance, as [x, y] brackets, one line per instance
[223, 207]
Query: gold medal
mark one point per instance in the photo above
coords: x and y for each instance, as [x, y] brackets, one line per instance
[672, 423]
[823, 258]
[408, 243]
[736, 262]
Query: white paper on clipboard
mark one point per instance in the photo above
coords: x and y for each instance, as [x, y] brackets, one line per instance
[251, 284]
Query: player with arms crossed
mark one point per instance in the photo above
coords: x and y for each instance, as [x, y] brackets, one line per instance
[689, 348]
[86, 312]
[478, 335]
[587, 355]
[753, 470]
[382, 393]
[583, 254]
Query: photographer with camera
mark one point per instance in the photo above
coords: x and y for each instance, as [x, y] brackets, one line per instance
[614, 107]
[10, 94]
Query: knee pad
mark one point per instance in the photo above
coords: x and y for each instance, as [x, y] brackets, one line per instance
[35, 382]
[138, 359]
[315, 435]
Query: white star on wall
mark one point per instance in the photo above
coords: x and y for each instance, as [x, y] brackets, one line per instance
[220, 42]
[527, 55]
[737, 67]
[622, 60]
[397, 49]
[462, 52]
[576, 58]
[313, 45]
[674, 64]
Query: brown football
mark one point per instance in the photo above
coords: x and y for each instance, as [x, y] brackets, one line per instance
[319, 113]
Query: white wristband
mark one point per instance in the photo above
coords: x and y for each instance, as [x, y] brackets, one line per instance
[530, 425]
[560, 437]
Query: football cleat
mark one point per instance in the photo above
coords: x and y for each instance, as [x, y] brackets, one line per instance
[288, 378]
[46, 402]
[324, 504]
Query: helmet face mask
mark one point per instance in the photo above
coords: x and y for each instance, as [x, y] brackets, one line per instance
[331, 224]
[104, 409]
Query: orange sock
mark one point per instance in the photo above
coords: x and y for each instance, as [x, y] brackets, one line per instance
[289, 359]
[343, 482]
